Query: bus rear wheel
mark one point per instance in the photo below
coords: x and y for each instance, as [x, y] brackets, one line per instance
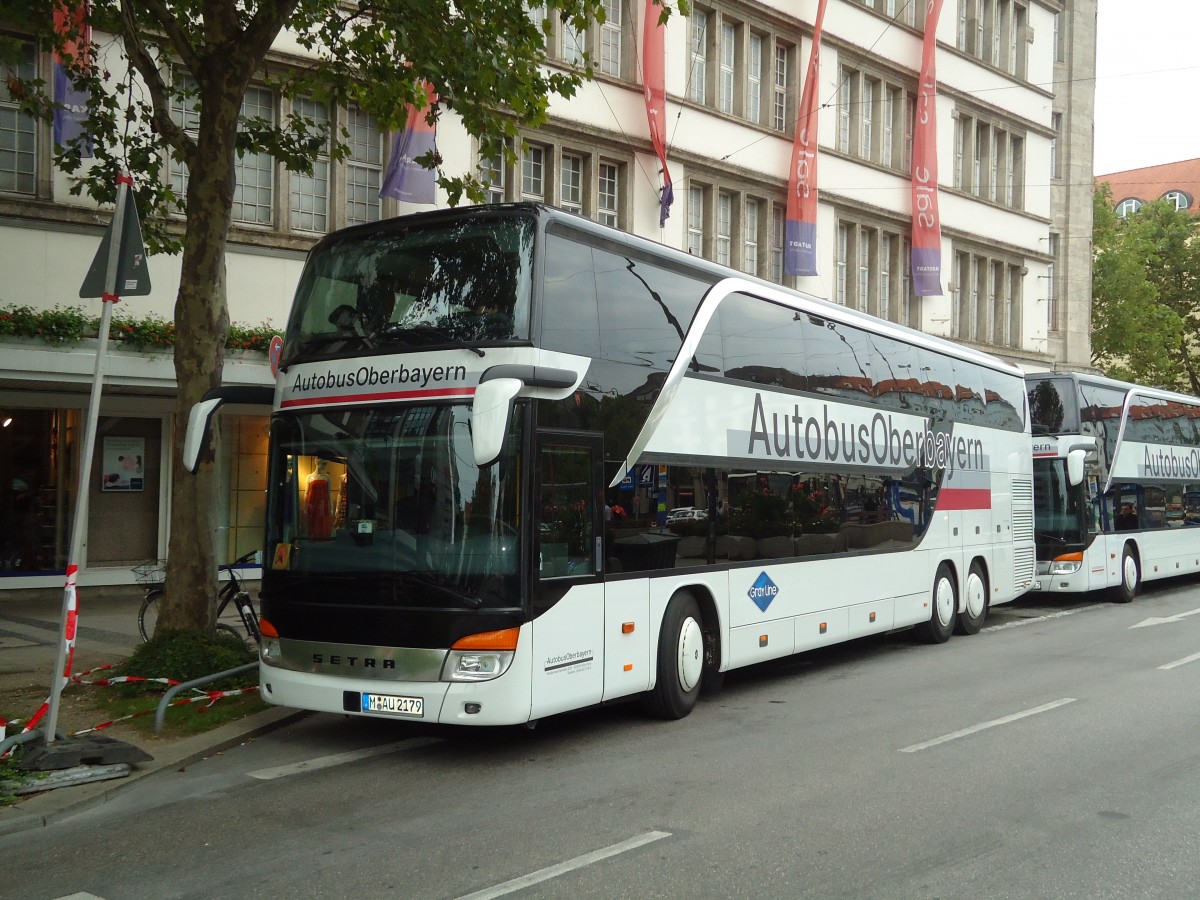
[680, 660]
[1131, 576]
[975, 603]
[944, 603]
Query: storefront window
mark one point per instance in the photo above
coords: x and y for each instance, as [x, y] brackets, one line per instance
[37, 472]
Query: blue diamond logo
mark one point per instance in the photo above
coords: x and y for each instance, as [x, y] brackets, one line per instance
[763, 591]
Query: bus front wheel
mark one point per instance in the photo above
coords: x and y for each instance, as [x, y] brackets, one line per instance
[680, 660]
[1131, 576]
[944, 603]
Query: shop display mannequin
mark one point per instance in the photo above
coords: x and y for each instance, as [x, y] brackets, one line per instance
[318, 511]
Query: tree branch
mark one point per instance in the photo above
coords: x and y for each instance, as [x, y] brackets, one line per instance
[147, 67]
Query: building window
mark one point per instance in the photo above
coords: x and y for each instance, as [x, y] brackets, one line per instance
[695, 235]
[364, 167]
[728, 54]
[608, 195]
[571, 189]
[874, 119]
[18, 132]
[533, 173]
[724, 228]
[780, 89]
[1128, 206]
[778, 216]
[698, 41]
[1052, 284]
[574, 44]
[983, 310]
[750, 237]
[842, 261]
[185, 113]
[610, 39]
[310, 193]
[1056, 124]
[254, 195]
[993, 31]
[754, 79]
[492, 174]
[1178, 199]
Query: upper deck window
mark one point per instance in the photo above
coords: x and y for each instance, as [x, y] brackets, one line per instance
[465, 282]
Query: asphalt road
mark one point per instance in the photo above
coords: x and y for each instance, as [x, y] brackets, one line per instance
[1053, 755]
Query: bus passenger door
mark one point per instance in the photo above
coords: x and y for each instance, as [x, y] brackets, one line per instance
[568, 591]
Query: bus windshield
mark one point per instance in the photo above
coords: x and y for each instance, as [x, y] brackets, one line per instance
[394, 492]
[464, 282]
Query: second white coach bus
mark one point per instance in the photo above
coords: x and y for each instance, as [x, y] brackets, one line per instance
[1116, 483]
[483, 415]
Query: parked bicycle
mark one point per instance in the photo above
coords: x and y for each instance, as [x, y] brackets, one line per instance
[235, 608]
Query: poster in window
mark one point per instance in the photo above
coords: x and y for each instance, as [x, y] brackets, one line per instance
[123, 464]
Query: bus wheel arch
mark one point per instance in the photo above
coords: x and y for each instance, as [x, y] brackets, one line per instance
[712, 679]
[680, 664]
[1130, 574]
[975, 599]
[943, 605]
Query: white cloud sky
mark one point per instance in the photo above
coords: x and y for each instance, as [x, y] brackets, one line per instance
[1147, 83]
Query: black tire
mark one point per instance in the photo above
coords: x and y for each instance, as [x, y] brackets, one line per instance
[944, 608]
[148, 614]
[975, 603]
[1131, 576]
[680, 660]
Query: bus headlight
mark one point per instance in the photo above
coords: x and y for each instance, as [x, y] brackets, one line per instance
[481, 657]
[269, 651]
[476, 665]
[1067, 564]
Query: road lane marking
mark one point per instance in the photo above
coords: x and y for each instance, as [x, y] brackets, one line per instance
[1181, 662]
[339, 759]
[1057, 615]
[570, 865]
[1155, 620]
[983, 726]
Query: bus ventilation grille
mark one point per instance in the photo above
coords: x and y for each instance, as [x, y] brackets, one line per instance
[1023, 567]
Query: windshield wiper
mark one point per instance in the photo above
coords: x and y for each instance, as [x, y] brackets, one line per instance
[429, 334]
[413, 579]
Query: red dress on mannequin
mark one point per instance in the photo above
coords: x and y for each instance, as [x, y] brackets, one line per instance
[317, 511]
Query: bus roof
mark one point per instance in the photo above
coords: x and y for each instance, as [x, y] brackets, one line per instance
[808, 302]
[1126, 386]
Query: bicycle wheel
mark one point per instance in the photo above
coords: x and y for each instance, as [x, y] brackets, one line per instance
[148, 614]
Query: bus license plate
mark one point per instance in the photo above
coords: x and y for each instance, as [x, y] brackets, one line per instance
[393, 705]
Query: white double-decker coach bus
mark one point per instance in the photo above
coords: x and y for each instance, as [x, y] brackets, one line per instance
[483, 416]
[1117, 483]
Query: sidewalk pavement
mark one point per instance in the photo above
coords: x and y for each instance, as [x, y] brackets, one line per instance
[30, 631]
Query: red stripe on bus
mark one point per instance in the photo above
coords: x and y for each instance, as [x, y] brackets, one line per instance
[374, 398]
[964, 498]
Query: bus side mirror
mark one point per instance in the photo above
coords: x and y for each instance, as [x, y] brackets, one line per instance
[199, 423]
[1075, 462]
[200, 418]
[490, 413]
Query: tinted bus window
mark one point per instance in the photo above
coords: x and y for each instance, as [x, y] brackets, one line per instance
[570, 321]
[839, 358]
[1005, 396]
[762, 342]
[645, 310]
[1101, 415]
[900, 386]
[939, 385]
[1052, 406]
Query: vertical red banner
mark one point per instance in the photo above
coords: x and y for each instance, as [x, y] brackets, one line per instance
[800, 227]
[405, 178]
[927, 221]
[654, 82]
